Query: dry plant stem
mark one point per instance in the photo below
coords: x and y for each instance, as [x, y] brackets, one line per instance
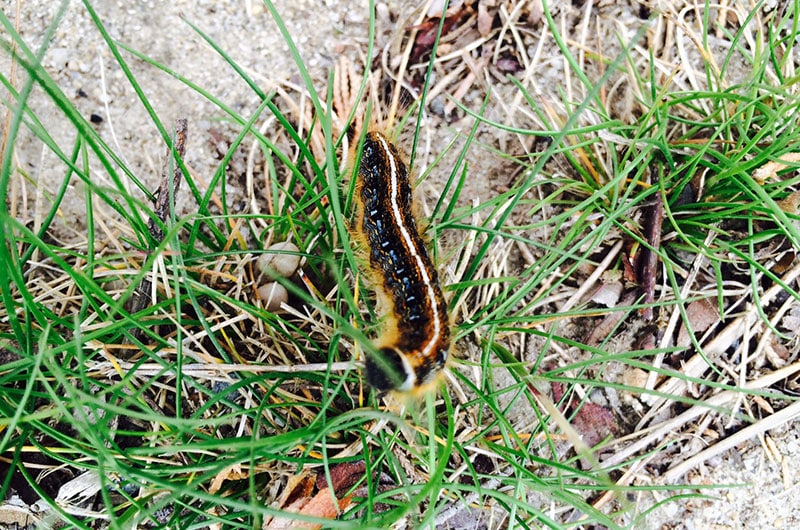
[648, 257]
[466, 83]
[167, 190]
[666, 340]
[697, 365]
[656, 434]
[163, 203]
[212, 371]
[401, 70]
[768, 335]
[510, 24]
[770, 422]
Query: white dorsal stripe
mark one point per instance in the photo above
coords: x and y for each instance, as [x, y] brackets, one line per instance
[409, 243]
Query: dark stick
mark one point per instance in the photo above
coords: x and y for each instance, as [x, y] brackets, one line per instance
[165, 198]
[653, 218]
[163, 194]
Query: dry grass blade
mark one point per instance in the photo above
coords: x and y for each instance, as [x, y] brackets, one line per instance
[774, 421]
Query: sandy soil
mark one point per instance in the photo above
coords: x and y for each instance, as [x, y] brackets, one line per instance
[765, 472]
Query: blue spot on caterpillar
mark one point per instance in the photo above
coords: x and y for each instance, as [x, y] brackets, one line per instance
[415, 338]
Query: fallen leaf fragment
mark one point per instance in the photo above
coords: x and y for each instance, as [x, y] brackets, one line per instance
[310, 495]
[595, 423]
[233, 472]
[702, 314]
[428, 30]
[592, 421]
[15, 513]
[790, 203]
[770, 169]
[634, 377]
[608, 294]
[485, 19]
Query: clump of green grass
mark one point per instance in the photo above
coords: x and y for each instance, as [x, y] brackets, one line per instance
[194, 410]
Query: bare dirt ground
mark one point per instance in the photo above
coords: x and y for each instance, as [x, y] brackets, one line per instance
[761, 476]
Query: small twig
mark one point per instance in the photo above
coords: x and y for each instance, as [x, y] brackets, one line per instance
[213, 371]
[169, 186]
[770, 422]
[658, 433]
[165, 199]
[697, 365]
[667, 334]
[647, 262]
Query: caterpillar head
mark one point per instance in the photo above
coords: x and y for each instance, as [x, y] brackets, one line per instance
[390, 370]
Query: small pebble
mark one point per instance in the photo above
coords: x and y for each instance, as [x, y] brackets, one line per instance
[273, 294]
[279, 264]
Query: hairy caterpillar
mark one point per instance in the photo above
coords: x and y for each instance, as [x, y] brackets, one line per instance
[415, 338]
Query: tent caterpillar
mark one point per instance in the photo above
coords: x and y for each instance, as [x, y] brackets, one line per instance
[415, 338]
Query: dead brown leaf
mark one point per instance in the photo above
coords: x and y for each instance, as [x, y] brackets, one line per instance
[595, 423]
[790, 203]
[429, 29]
[310, 494]
[702, 315]
[770, 169]
[485, 19]
[592, 421]
[233, 472]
